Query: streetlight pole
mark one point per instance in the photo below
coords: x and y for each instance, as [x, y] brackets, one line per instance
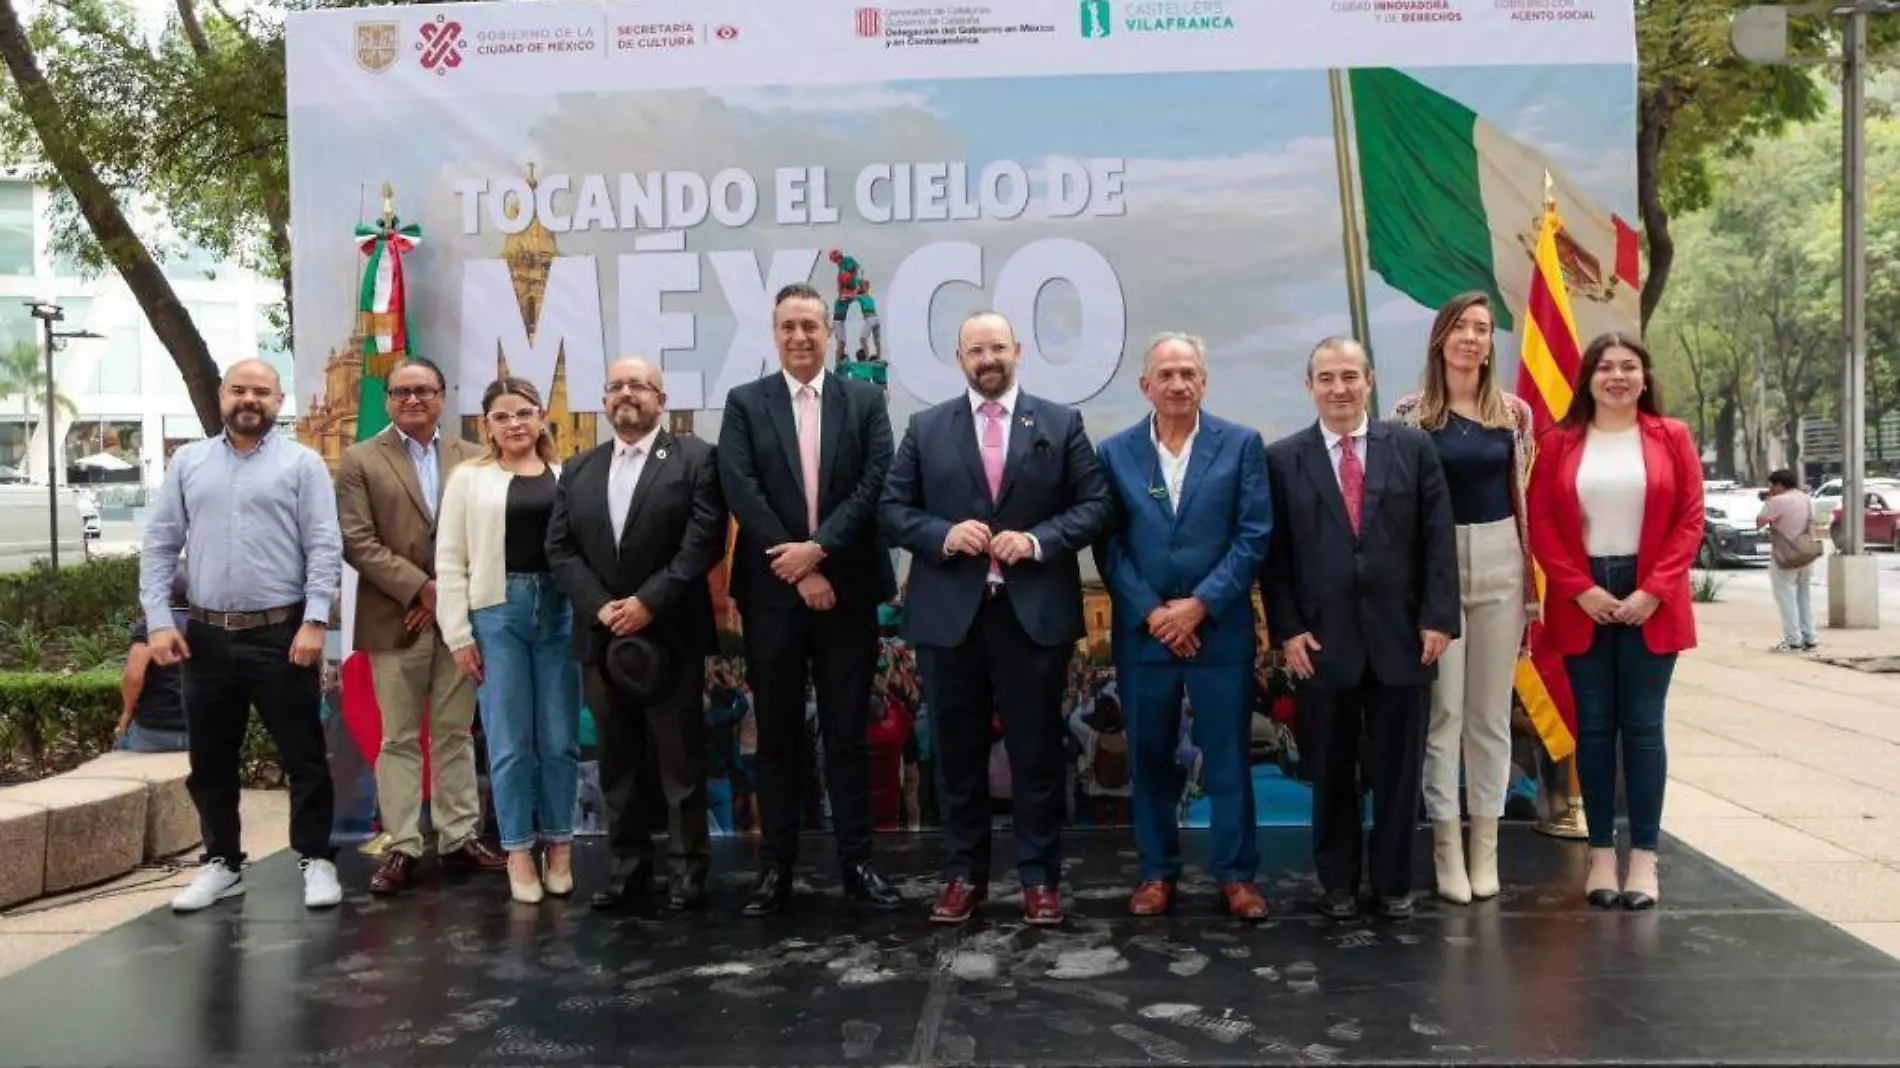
[1759, 34]
[48, 314]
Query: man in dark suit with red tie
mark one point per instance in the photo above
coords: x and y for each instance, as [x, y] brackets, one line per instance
[994, 493]
[802, 459]
[1361, 590]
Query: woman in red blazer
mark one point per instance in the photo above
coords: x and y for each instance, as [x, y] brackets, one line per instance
[1620, 490]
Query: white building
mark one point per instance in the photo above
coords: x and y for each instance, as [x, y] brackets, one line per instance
[130, 398]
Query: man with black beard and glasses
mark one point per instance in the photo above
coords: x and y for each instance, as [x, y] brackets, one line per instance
[638, 523]
[994, 493]
[255, 515]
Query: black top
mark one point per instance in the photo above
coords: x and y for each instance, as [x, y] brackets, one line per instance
[530, 503]
[1477, 463]
[161, 703]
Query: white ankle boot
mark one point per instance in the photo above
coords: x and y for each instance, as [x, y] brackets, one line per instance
[1448, 858]
[1484, 858]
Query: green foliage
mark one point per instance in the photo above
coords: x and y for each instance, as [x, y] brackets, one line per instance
[1705, 587]
[51, 723]
[96, 593]
[23, 377]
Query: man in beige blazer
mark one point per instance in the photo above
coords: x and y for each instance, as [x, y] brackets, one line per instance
[388, 490]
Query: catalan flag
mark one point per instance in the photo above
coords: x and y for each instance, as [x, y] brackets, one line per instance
[1547, 365]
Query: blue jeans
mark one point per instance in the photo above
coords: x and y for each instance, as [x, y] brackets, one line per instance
[1620, 687]
[530, 702]
[143, 740]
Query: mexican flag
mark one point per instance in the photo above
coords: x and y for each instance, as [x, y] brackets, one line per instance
[382, 312]
[1452, 204]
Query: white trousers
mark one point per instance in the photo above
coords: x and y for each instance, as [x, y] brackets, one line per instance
[1792, 600]
[1471, 701]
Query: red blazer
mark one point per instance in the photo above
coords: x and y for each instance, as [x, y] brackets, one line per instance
[1672, 533]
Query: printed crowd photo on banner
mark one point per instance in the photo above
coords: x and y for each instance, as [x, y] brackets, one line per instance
[540, 189]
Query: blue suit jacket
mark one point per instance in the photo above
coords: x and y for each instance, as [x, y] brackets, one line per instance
[1211, 548]
[1052, 490]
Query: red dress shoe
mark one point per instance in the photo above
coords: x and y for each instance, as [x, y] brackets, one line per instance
[396, 874]
[477, 855]
[1042, 906]
[1244, 901]
[1152, 898]
[957, 901]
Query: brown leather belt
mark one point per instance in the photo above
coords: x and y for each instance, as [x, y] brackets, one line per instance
[269, 617]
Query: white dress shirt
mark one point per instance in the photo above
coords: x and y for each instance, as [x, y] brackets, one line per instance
[629, 460]
[817, 385]
[426, 458]
[1174, 468]
[1358, 446]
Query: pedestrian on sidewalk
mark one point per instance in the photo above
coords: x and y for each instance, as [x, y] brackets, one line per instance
[1788, 514]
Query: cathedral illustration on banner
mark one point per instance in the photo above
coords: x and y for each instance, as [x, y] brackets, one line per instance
[330, 423]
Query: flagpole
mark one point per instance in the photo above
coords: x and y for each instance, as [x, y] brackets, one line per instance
[1349, 221]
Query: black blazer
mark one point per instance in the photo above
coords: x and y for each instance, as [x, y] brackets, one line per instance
[1053, 489]
[675, 535]
[1364, 597]
[764, 485]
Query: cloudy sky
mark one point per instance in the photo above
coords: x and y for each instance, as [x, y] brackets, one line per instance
[1232, 228]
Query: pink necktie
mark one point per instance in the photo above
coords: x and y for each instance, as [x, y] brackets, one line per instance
[993, 461]
[1352, 480]
[993, 445]
[808, 453]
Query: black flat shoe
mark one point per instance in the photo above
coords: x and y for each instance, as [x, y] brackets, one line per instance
[1636, 901]
[771, 894]
[624, 887]
[1339, 905]
[865, 888]
[1603, 899]
[1396, 908]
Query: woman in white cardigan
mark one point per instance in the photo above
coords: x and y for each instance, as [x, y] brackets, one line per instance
[509, 628]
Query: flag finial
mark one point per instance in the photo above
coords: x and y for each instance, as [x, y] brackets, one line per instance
[389, 203]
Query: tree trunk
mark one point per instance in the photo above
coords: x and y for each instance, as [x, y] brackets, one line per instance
[1652, 130]
[1725, 439]
[1791, 439]
[124, 249]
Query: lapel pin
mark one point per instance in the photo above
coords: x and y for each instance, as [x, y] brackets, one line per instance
[659, 454]
[1029, 420]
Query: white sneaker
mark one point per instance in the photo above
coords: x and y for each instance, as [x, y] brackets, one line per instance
[214, 883]
[320, 887]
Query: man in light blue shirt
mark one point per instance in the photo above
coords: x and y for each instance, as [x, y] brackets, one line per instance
[255, 515]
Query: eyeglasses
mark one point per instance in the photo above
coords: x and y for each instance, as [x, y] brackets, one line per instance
[631, 385]
[421, 393]
[526, 415]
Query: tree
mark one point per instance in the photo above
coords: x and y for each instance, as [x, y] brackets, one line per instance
[1697, 103]
[68, 135]
[23, 375]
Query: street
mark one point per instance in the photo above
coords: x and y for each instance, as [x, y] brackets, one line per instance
[1750, 585]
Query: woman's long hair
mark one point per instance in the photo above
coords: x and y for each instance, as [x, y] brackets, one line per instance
[1583, 404]
[1434, 403]
[516, 387]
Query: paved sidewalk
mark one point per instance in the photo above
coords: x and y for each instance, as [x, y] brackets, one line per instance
[1787, 769]
[39, 929]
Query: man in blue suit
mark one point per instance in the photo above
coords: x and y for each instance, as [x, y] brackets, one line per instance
[994, 492]
[1194, 521]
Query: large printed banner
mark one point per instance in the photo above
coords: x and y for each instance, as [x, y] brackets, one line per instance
[547, 186]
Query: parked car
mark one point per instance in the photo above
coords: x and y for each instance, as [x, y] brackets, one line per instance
[1827, 497]
[1880, 522]
[1729, 535]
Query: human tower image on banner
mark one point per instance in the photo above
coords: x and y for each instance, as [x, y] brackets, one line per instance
[539, 191]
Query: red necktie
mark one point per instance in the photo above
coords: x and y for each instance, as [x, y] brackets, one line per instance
[1352, 480]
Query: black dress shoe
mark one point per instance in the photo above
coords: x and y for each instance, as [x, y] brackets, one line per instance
[626, 885]
[863, 886]
[1603, 899]
[771, 893]
[1396, 908]
[1339, 905]
[1636, 901]
[686, 892]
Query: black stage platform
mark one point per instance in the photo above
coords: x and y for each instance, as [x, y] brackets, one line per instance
[456, 974]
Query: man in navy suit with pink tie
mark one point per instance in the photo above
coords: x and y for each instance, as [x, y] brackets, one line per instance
[1194, 522]
[994, 493]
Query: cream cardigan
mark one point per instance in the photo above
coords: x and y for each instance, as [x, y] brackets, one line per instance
[471, 570]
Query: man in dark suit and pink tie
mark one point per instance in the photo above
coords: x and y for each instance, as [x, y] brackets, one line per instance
[994, 493]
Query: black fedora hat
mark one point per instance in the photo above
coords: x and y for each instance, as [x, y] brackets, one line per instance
[639, 666]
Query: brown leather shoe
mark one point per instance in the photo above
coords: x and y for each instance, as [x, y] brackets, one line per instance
[958, 901]
[476, 855]
[1152, 898]
[396, 874]
[1244, 901]
[1042, 906]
